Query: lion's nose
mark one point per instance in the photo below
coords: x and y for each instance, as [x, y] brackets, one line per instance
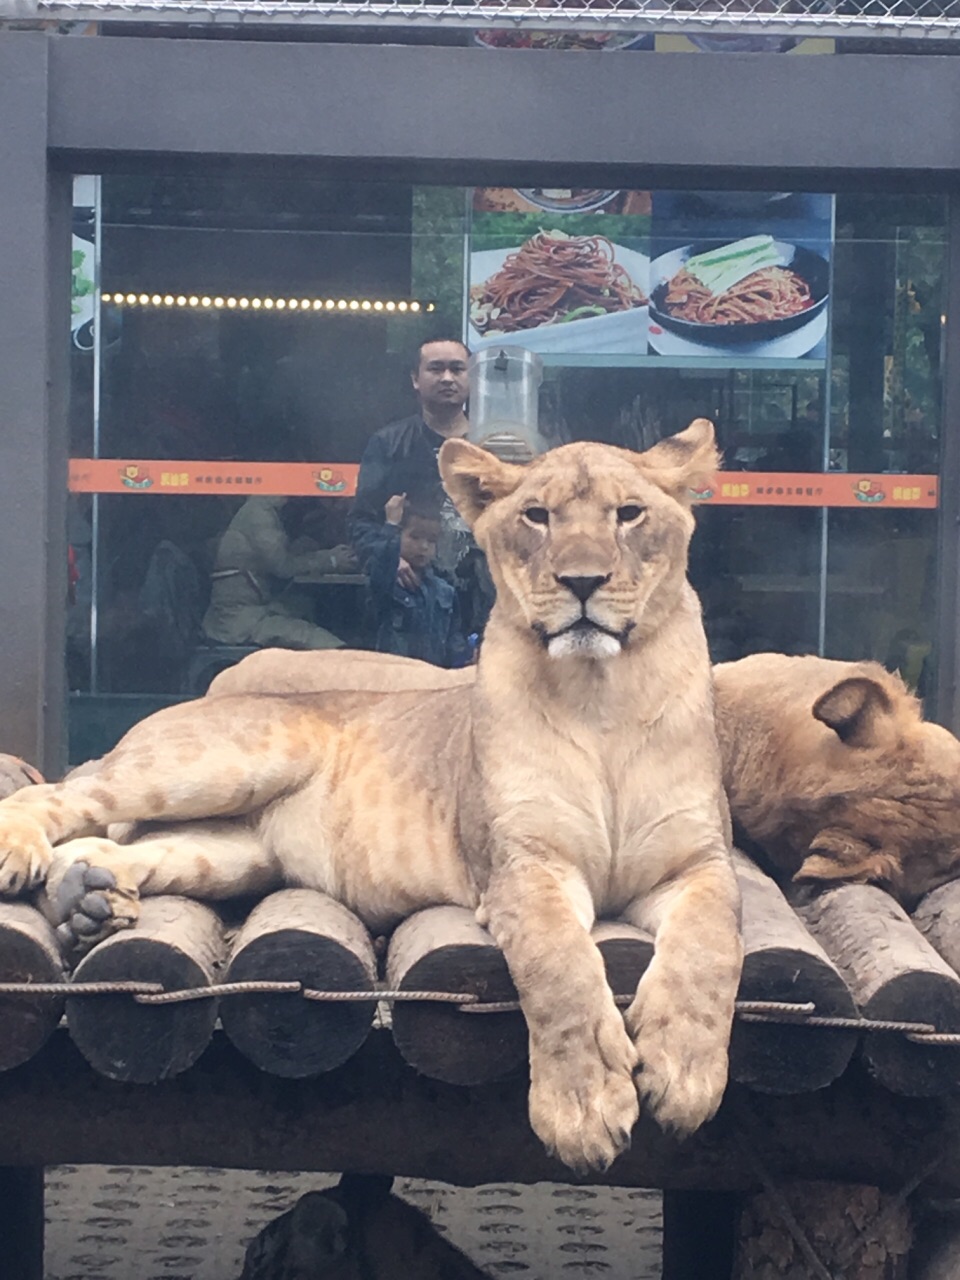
[583, 588]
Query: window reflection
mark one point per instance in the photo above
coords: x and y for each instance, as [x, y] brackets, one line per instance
[220, 443]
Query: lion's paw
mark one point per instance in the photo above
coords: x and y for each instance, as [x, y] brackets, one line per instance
[90, 899]
[25, 853]
[684, 1056]
[583, 1100]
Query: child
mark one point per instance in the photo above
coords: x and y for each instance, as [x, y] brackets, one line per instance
[415, 613]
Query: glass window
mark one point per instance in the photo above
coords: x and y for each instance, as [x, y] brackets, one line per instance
[237, 343]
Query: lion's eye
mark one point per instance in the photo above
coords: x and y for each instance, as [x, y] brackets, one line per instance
[629, 513]
[537, 515]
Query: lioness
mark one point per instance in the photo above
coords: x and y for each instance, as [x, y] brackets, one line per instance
[831, 772]
[831, 769]
[578, 776]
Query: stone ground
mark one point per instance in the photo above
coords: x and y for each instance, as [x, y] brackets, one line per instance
[110, 1223]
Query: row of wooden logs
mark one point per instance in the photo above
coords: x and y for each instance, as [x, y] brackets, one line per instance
[850, 952]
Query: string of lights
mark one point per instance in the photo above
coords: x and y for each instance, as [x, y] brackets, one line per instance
[218, 302]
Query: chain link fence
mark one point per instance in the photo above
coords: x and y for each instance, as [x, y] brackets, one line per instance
[601, 24]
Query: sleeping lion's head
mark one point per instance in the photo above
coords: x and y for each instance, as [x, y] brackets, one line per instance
[588, 544]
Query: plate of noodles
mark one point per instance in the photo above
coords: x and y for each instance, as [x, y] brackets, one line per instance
[557, 292]
[545, 38]
[751, 290]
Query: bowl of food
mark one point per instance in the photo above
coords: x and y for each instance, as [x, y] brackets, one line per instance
[560, 292]
[566, 199]
[750, 290]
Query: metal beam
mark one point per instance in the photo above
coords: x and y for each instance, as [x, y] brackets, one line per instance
[471, 114]
[34, 336]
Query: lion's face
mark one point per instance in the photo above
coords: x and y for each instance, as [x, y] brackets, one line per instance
[831, 770]
[891, 812]
[588, 544]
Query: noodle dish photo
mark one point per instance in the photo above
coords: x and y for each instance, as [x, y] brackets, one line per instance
[545, 38]
[561, 292]
[756, 290]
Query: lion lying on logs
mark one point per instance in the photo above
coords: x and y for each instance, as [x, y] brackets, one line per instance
[830, 769]
[579, 775]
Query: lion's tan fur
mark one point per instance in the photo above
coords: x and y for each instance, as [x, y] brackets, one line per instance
[332, 670]
[884, 811]
[578, 775]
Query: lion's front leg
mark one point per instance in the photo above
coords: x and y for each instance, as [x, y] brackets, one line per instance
[583, 1101]
[681, 1016]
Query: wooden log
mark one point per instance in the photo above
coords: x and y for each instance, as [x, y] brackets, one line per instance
[782, 962]
[937, 916]
[28, 953]
[626, 954]
[894, 974]
[821, 1231]
[444, 949]
[305, 936]
[176, 942]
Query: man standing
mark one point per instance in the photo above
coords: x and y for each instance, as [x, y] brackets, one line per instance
[400, 460]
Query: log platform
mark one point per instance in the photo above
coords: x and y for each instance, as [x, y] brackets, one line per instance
[28, 954]
[186, 1042]
[176, 946]
[307, 940]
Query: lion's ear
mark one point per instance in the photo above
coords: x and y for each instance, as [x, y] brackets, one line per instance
[859, 711]
[684, 462]
[474, 478]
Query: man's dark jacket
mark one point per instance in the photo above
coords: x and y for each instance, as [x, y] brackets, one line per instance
[399, 458]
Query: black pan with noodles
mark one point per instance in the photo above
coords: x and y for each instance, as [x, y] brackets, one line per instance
[765, 305]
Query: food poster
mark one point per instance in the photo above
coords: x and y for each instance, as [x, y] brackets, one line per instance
[740, 276]
[551, 38]
[83, 261]
[735, 43]
[559, 271]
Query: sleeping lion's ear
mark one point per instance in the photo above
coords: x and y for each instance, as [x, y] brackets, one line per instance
[474, 478]
[684, 462]
[859, 711]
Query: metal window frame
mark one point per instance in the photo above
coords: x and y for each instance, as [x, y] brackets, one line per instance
[896, 20]
[416, 114]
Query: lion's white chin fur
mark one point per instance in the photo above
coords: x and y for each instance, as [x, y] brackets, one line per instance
[583, 644]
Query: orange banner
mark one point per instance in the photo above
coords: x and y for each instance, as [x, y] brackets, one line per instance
[339, 480]
[290, 479]
[817, 489]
